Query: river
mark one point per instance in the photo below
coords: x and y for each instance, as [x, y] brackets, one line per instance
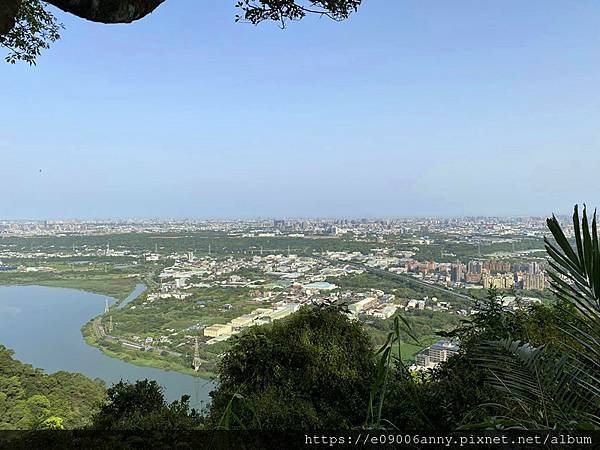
[137, 291]
[43, 326]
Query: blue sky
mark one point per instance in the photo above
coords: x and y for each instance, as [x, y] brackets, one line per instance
[408, 108]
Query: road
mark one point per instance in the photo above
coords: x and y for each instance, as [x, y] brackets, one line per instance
[398, 276]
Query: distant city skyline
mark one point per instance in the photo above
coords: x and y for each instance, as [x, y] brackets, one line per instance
[99, 220]
[427, 110]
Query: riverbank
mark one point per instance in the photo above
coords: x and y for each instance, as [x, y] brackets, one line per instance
[111, 285]
[96, 334]
[119, 288]
[44, 327]
[140, 357]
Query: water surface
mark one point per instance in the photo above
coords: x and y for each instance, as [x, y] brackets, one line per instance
[139, 289]
[43, 326]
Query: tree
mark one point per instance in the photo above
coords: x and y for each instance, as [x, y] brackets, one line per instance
[142, 406]
[436, 400]
[27, 27]
[38, 408]
[534, 368]
[32, 30]
[52, 423]
[30, 398]
[311, 370]
[556, 384]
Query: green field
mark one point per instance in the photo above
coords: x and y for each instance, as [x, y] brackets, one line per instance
[111, 285]
[197, 242]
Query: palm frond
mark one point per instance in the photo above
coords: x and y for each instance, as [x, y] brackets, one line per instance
[543, 387]
[547, 388]
[576, 271]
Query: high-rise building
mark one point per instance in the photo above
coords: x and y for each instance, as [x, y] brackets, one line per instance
[500, 281]
[475, 267]
[473, 277]
[457, 272]
[497, 265]
[474, 271]
[437, 353]
[534, 282]
[533, 268]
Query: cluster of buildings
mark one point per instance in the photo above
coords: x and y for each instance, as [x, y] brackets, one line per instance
[433, 304]
[525, 281]
[497, 273]
[484, 273]
[304, 275]
[437, 353]
[376, 303]
[260, 316]
[504, 275]
[278, 281]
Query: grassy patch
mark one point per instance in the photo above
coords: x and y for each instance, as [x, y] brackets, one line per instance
[111, 285]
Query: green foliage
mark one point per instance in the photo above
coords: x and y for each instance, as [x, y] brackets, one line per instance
[379, 387]
[142, 406]
[538, 387]
[116, 285]
[439, 400]
[576, 275]
[34, 30]
[53, 423]
[449, 250]
[30, 399]
[198, 242]
[556, 384]
[436, 400]
[311, 370]
[256, 11]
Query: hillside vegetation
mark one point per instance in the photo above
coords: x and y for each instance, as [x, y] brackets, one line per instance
[31, 399]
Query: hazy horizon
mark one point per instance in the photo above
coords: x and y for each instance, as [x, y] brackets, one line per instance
[406, 110]
[288, 218]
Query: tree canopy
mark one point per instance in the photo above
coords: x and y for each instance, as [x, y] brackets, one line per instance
[31, 399]
[27, 27]
[142, 406]
[312, 370]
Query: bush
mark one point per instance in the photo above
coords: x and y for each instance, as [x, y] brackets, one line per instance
[311, 370]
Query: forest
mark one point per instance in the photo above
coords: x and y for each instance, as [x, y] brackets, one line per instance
[31, 399]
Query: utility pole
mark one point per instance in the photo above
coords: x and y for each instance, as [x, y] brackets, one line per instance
[196, 363]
